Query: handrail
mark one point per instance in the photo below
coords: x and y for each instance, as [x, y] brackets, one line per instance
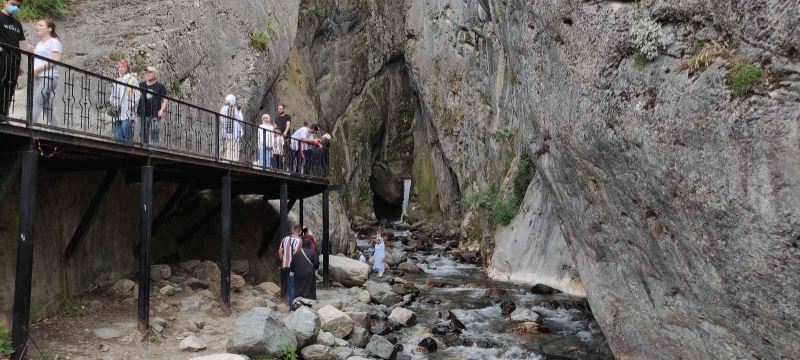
[89, 102]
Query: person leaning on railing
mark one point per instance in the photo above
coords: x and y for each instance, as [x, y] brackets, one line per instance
[152, 106]
[11, 35]
[123, 102]
[44, 72]
[300, 143]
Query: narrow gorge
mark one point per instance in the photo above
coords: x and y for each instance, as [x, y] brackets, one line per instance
[643, 155]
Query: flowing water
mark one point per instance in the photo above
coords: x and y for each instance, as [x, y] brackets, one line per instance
[573, 332]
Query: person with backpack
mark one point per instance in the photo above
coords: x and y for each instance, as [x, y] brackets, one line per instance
[123, 102]
[231, 129]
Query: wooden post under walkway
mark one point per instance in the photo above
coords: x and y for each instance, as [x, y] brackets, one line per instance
[145, 234]
[24, 267]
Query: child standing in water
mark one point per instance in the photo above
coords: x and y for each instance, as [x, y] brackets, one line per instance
[380, 252]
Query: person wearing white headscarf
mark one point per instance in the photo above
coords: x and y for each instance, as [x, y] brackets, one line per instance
[231, 129]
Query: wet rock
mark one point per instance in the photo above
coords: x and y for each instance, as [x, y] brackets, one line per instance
[160, 272]
[381, 327]
[260, 331]
[124, 287]
[192, 343]
[445, 328]
[527, 328]
[326, 338]
[240, 267]
[471, 257]
[542, 289]
[496, 292]
[409, 268]
[408, 299]
[107, 333]
[382, 293]
[305, 323]
[359, 337]
[347, 271]
[524, 315]
[380, 347]
[403, 316]
[451, 339]
[430, 300]
[316, 352]
[237, 282]
[481, 343]
[507, 307]
[427, 345]
[335, 321]
[269, 288]
[405, 289]
[441, 283]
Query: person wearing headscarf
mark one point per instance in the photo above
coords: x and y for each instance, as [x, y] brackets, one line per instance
[231, 129]
[304, 266]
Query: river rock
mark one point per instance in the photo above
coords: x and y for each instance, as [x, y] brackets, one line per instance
[124, 287]
[160, 272]
[326, 338]
[359, 337]
[342, 353]
[316, 352]
[364, 297]
[260, 331]
[382, 293]
[360, 318]
[347, 271]
[427, 345]
[221, 357]
[410, 268]
[270, 288]
[380, 347]
[340, 342]
[405, 289]
[403, 316]
[507, 307]
[237, 282]
[524, 315]
[445, 328]
[381, 327]
[305, 323]
[192, 343]
[240, 267]
[527, 328]
[335, 321]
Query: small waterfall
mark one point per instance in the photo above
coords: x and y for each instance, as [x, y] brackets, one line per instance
[406, 194]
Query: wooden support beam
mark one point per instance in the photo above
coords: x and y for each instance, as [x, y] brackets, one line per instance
[225, 284]
[145, 233]
[282, 229]
[326, 244]
[197, 225]
[265, 236]
[24, 269]
[9, 170]
[172, 204]
[90, 213]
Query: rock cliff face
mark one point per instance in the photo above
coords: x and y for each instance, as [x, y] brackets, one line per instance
[662, 137]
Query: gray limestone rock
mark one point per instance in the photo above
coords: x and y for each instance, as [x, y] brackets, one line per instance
[317, 352]
[305, 323]
[335, 321]
[260, 331]
[380, 347]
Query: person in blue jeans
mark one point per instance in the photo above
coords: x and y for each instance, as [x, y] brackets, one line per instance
[153, 106]
[123, 102]
[289, 246]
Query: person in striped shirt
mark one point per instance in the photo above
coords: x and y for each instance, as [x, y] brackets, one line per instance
[289, 246]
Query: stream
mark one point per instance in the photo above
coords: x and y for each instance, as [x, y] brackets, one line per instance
[463, 289]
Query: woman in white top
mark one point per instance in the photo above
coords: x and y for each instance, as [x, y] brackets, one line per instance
[44, 72]
[124, 99]
[265, 141]
[231, 129]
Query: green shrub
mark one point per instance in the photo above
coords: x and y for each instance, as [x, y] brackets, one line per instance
[39, 9]
[525, 172]
[639, 59]
[171, 292]
[289, 353]
[76, 307]
[258, 40]
[743, 77]
[500, 209]
[5, 343]
[175, 89]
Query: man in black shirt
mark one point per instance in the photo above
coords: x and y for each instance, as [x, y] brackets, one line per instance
[284, 121]
[152, 106]
[10, 68]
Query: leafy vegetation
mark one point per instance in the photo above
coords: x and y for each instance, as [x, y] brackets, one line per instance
[76, 307]
[5, 343]
[743, 77]
[502, 209]
[175, 89]
[646, 34]
[40, 9]
[639, 59]
[171, 292]
[258, 40]
[289, 353]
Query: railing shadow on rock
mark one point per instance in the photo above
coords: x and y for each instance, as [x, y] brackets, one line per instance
[78, 102]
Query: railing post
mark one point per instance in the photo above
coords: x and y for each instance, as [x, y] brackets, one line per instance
[326, 245]
[29, 91]
[145, 219]
[216, 137]
[284, 224]
[24, 266]
[225, 284]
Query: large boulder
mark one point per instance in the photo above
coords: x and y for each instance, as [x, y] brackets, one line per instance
[348, 272]
[335, 321]
[359, 337]
[305, 324]
[316, 352]
[409, 268]
[382, 293]
[258, 332]
[403, 316]
[380, 347]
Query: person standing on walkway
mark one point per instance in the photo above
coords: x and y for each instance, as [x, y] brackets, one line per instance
[230, 129]
[380, 253]
[153, 106]
[123, 102]
[299, 144]
[266, 135]
[44, 72]
[284, 122]
[289, 246]
[11, 34]
[304, 266]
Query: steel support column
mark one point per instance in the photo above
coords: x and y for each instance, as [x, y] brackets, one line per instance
[300, 211]
[283, 230]
[225, 254]
[326, 245]
[22, 284]
[145, 233]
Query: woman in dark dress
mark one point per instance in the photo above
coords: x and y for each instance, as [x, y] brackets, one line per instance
[305, 263]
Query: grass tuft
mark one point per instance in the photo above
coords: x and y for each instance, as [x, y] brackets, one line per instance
[639, 59]
[743, 77]
[258, 40]
[704, 56]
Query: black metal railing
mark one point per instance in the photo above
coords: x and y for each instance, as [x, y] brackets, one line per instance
[68, 99]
